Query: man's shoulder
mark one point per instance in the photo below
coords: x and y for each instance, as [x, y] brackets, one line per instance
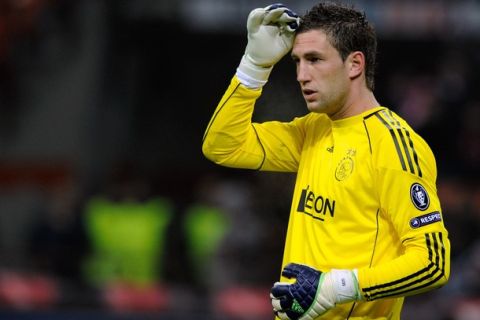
[395, 144]
[385, 123]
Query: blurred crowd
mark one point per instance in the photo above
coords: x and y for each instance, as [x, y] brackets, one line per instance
[197, 240]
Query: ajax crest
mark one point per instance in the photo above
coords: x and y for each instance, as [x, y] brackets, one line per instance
[346, 165]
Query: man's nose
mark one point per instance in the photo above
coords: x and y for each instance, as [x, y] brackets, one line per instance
[302, 72]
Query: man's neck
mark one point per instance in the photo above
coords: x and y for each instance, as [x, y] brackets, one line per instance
[359, 101]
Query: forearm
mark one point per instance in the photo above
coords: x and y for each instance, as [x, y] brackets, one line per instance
[230, 138]
[424, 266]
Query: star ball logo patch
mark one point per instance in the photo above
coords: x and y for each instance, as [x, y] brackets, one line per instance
[419, 197]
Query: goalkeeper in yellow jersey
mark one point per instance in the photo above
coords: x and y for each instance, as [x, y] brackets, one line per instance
[366, 226]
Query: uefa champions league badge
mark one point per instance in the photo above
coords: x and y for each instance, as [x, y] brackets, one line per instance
[419, 197]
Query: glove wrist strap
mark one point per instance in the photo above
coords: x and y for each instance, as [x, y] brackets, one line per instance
[251, 75]
[345, 285]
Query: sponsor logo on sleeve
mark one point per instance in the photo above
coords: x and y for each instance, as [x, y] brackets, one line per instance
[419, 197]
[426, 219]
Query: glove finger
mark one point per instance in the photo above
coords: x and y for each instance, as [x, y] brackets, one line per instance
[288, 15]
[290, 19]
[255, 19]
[280, 13]
[292, 26]
[292, 270]
[291, 13]
[282, 17]
[272, 17]
[280, 289]
[282, 303]
[276, 305]
[275, 6]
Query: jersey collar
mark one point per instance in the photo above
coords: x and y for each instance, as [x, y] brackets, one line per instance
[346, 122]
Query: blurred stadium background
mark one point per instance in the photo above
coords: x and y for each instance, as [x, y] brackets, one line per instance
[108, 210]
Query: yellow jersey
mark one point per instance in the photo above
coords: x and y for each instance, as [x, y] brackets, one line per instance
[365, 196]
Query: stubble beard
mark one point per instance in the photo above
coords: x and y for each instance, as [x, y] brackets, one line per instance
[328, 105]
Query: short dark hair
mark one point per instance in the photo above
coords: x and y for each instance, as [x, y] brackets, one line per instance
[347, 30]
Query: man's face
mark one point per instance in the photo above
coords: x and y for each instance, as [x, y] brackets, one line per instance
[322, 74]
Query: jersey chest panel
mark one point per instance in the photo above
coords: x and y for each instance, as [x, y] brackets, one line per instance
[335, 197]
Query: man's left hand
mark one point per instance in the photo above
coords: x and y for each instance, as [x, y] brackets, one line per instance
[313, 293]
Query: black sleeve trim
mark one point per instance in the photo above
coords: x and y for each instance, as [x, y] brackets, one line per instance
[418, 280]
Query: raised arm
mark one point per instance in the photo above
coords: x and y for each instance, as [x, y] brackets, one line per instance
[231, 139]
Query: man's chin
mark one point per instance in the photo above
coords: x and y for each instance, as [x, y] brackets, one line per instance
[314, 107]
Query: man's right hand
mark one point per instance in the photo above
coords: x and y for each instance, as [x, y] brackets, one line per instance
[270, 36]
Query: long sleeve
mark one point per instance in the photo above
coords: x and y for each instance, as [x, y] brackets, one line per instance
[424, 266]
[406, 184]
[232, 140]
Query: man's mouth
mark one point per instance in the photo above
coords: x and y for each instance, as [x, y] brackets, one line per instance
[308, 93]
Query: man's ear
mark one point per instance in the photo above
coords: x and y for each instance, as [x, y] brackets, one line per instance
[356, 64]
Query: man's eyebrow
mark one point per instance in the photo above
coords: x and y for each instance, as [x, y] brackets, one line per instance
[308, 54]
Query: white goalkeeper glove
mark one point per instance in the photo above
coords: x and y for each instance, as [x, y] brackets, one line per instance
[313, 293]
[270, 36]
